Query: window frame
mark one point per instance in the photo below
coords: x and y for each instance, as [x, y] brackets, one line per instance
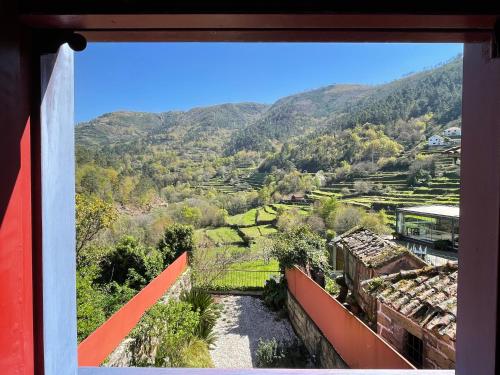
[411, 351]
[477, 345]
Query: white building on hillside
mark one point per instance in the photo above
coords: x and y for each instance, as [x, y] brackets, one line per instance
[436, 140]
[453, 132]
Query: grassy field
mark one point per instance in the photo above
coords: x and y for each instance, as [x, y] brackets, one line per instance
[266, 215]
[250, 275]
[224, 235]
[246, 218]
[258, 231]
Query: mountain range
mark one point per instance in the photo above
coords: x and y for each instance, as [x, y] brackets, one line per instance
[228, 128]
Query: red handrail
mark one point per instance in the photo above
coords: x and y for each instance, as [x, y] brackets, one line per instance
[100, 344]
[356, 343]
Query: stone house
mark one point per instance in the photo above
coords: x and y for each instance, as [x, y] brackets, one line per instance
[363, 255]
[416, 313]
[453, 132]
[436, 140]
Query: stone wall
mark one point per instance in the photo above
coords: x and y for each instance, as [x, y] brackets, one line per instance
[394, 328]
[183, 282]
[317, 345]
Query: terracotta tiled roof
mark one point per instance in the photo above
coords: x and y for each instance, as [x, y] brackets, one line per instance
[371, 249]
[428, 296]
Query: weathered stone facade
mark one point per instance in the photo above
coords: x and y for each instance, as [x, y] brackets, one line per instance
[422, 303]
[317, 345]
[438, 351]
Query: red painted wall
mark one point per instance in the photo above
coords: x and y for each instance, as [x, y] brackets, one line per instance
[100, 344]
[358, 345]
[16, 312]
[16, 287]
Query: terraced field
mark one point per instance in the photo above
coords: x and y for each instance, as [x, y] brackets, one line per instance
[255, 179]
[258, 231]
[224, 235]
[245, 219]
[248, 179]
[394, 192]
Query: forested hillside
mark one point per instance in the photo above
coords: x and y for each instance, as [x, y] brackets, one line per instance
[310, 131]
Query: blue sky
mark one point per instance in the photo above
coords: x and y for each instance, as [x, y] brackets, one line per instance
[157, 77]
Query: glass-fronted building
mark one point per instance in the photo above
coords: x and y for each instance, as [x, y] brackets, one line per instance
[434, 225]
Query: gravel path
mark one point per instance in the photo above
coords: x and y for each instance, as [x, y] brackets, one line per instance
[243, 321]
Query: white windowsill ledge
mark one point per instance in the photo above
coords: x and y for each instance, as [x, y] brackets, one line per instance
[185, 371]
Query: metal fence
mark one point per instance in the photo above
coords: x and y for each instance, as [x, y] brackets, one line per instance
[243, 279]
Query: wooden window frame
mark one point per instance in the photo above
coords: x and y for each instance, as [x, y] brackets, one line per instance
[477, 345]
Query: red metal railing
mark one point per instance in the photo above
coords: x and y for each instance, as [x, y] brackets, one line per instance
[356, 343]
[100, 344]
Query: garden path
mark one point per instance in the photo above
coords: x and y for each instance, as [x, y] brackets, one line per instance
[244, 320]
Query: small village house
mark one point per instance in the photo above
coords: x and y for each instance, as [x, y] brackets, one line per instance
[436, 140]
[416, 312]
[363, 255]
[453, 132]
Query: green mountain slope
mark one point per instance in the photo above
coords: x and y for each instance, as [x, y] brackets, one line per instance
[211, 124]
[229, 128]
[338, 107]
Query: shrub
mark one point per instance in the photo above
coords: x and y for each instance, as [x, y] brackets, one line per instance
[269, 353]
[332, 287]
[196, 354]
[281, 354]
[115, 296]
[203, 303]
[90, 302]
[163, 336]
[345, 191]
[363, 169]
[288, 219]
[176, 239]
[274, 294]
[302, 247]
[316, 223]
[127, 264]
[363, 187]
[421, 170]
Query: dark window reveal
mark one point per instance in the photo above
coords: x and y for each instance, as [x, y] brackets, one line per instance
[414, 350]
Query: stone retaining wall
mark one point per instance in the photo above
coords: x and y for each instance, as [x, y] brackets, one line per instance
[317, 345]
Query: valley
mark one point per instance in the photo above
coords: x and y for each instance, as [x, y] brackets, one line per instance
[224, 182]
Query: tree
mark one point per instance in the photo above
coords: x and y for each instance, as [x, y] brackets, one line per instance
[327, 207]
[363, 187]
[289, 219]
[190, 215]
[421, 170]
[131, 264]
[92, 216]
[300, 247]
[347, 217]
[376, 222]
[89, 308]
[177, 239]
